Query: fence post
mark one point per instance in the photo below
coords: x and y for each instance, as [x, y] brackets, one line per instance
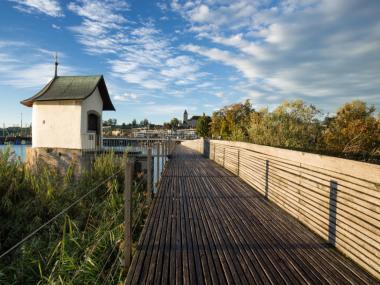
[149, 174]
[238, 163]
[214, 151]
[129, 171]
[164, 151]
[163, 156]
[158, 161]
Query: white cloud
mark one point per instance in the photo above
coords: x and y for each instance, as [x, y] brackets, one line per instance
[200, 13]
[318, 50]
[49, 7]
[100, 20]
[26, 70]
[104, 11]
[126, 97]
[220, 95]
[141, 55]
[162, 6]
[170, 110]
[237, 41]
[240, 63]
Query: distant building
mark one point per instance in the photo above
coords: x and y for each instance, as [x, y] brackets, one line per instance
[67, 112]
[189, 123]
[192, 122]
[185, 118]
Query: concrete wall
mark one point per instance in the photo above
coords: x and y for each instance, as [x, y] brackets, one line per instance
[63, 124]
[56, 124]
[338, 199]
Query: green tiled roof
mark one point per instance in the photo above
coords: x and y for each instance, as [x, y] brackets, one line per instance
[72, 88]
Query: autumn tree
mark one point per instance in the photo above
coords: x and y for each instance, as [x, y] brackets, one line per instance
[354, 130]
[232, 121]
[293, 124]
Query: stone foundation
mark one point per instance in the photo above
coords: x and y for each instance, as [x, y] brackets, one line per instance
[58, 158]
[61, 159]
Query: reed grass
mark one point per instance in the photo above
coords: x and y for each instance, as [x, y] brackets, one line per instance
[83, 246]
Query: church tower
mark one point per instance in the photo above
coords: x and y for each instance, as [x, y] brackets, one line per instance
[185, 117]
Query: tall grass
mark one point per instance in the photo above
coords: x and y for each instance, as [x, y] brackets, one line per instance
[83, 246]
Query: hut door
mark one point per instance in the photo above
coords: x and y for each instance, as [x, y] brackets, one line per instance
[94, 126]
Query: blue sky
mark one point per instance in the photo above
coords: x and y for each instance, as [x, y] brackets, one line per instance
[160, 57]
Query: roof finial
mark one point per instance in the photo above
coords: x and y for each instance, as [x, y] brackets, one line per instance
[56, 65]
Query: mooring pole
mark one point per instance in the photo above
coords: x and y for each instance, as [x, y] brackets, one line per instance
[128, 178]
[149, 175]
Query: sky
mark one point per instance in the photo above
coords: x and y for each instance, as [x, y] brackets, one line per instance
[161, 57]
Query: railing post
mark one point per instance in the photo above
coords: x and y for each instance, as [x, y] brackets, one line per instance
[129, 170]
[238, 163]
[163, 156]
[167, 148]
[163, 151]
[158, 161]
[149, 174]
[214, 151]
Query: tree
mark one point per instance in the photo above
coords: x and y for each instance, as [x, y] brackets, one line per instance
[174, 123]
[134, 123]
[110, 122]
[144, 123]
[167, 126]
[353, 130]
[292, 124]
[202, 127]
[232, 122]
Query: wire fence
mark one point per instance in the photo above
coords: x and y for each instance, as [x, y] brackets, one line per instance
[56, 216]
[113, 265]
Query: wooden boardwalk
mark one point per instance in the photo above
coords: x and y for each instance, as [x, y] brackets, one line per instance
[208, 227]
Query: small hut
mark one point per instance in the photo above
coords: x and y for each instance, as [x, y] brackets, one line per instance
[67, 117]
[67, 112]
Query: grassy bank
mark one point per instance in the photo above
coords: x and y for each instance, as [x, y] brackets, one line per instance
[82, 246]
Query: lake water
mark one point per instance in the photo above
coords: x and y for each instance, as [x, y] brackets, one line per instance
[18, 150]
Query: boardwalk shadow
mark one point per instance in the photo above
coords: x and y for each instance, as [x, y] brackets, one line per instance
[332, 211]
[206, 148]
[266, 179]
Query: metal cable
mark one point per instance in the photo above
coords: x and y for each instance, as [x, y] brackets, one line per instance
[109, 274]
[114, 218]
[58, 215]
[105, 263]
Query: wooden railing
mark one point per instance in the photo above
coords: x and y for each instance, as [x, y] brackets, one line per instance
[140, 189]
[338, 199]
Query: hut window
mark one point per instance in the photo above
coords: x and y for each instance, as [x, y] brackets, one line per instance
[93, 122]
